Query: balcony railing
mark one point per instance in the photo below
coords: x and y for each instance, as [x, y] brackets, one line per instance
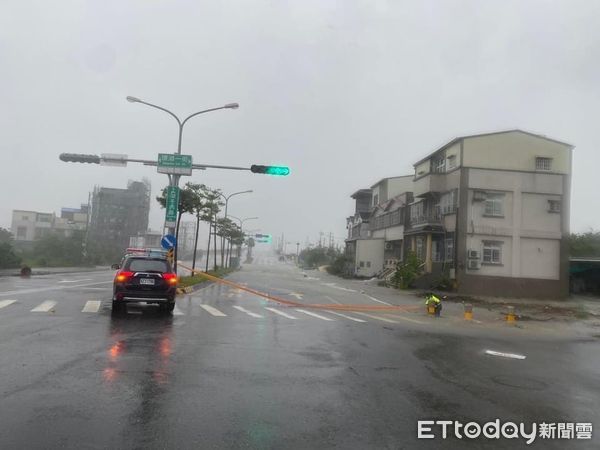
[434, 218]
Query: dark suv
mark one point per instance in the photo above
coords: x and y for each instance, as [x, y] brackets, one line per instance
[148, 279]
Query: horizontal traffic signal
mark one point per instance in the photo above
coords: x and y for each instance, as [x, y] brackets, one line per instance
[270, 170]
[80, 158]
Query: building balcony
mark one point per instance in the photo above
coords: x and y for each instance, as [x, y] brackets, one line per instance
[431, 183]
[426, 219]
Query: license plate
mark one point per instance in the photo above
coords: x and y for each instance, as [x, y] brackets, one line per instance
[148, 281]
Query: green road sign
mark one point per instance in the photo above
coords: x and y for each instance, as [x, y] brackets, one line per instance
[172, 204]
[174, 164]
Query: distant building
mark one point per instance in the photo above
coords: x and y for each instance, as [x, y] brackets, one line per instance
[27, 226]
[148, 239]
[118, 214]
[72, 219]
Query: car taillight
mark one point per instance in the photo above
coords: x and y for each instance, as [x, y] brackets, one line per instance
[170, 278]
[123, 276]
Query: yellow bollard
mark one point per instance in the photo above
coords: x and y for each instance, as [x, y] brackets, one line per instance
[510, 315]
[468, 311]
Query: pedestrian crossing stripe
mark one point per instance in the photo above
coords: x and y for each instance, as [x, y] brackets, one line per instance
[44, 306]
[5, 303]
[95, 306]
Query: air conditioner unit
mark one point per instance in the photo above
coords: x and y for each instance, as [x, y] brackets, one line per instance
[389, 246]
[473, 254]
[473, 264]
[479, 196]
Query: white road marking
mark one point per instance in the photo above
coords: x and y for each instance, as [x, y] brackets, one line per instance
[177, 311]
[4, 303]
[94, 289]
[281, 313]
[44, 306]
[51, 288]
[214, 311]
[92, 306]
[383, 319]
[378, 301]
[75, 281]
[332, 300]
[314, 315]
[250, 313]
[296, 294]
[334, 286]
[505, 355]
[347, 317]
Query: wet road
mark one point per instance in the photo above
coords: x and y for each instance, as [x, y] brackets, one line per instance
[230, 370]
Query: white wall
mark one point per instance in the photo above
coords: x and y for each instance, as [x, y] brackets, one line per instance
[369, 251]
[540, 258]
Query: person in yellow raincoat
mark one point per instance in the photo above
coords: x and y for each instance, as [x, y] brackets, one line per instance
[432, 300]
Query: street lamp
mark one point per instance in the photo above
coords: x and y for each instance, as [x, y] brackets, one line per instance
[227, 197]
[242, 231]
[174, 179]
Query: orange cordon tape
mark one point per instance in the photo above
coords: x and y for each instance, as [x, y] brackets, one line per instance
[302, 305]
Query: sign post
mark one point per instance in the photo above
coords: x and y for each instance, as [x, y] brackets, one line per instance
[172, 206]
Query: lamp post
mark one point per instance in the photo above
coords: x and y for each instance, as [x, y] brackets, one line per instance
[241, 221]
[227, 197]
[174, 179]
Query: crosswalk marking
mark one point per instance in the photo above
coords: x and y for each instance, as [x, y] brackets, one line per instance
[347, 317]
[281, 313]
[314, 315]
[383, 319]
[395, 316]
[44, 306]
[177, 311]
[91, 306]
[250, 313]
[4, 303]
[213, 311]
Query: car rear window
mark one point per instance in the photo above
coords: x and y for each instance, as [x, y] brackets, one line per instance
[147, 265]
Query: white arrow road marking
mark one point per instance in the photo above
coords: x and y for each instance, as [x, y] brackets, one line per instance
[314, 315]
[75, 281]
[383, 319]
[44, 306]
[250, 313]
[91, 306]
[281, 313]
[4, 303]
[347, 317]
[505, 355]
[296, 294]
[214, 311]
[177, 311]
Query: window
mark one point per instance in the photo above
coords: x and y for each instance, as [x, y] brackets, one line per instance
[362, 264]
[449, 253]
[368, 263]
[25, 218]
[439, 165]
[543, 163]
[554, 206]
[416, 211]
[436, 250]
[420, 248]
[21, 232]
[492, 252]
[448, 202]
[147, 265]
[451, 162]
[375, 199]
[493, 205]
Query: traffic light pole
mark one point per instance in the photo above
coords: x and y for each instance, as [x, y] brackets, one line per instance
[122, 160]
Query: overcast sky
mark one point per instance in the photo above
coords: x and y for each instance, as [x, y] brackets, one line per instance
[344, 92]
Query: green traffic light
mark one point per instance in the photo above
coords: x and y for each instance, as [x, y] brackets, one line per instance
[277, 170]
[270, 170]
